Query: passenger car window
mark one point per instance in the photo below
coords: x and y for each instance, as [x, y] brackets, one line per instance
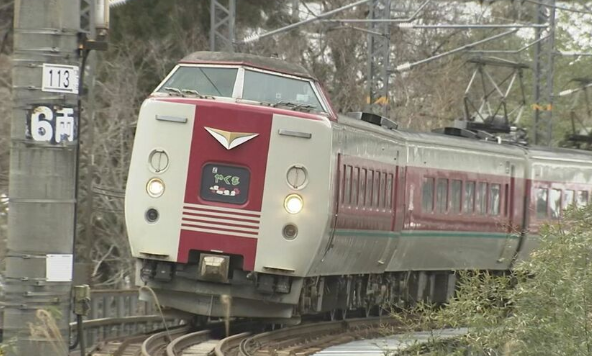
[427, 195]
[455, 196]
[481, 198]
[494, 199]
[568, 198]
[270, 88]
[389, 191]
[582, 198]
[469, 200]
[369, 187]
[347, 185]
[442, 195]
[362, 187]
[376, 190]
[355, 183]
[541, 203]
[204, 80]
[555, 203]
[383, 190]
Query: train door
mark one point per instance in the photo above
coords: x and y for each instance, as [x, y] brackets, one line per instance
[507, 252]
[394, 223]
[364, 219]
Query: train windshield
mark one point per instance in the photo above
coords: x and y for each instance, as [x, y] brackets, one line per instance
[275, 89]
[204, 80]
[263, 87]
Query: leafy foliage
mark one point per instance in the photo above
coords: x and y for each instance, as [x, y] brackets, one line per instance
[542, 308]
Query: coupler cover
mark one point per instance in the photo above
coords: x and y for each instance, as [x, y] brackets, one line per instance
[213, 268]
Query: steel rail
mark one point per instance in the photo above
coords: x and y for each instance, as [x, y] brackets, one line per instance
[230, 345]
[176, 347]
[301, 336]
[158, 342]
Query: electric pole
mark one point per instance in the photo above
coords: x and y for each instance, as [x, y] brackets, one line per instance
[42, 185]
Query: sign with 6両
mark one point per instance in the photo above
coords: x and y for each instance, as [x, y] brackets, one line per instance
[52, 123]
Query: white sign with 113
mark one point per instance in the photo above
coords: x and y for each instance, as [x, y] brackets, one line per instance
[60, 78]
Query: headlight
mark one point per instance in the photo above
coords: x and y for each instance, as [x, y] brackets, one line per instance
[293, 203]
[155, 187]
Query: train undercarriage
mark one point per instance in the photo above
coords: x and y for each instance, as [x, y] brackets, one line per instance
[289, 298]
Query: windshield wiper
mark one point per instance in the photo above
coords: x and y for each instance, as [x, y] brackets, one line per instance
[191, 91]
[294, 106]
[172, 90]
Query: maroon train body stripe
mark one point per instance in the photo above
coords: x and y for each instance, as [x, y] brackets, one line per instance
[251, 155]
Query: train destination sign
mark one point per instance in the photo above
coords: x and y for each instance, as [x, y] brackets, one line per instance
[52, 123]
[225, 184]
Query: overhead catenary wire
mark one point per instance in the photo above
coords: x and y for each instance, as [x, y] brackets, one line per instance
[256, 37]
[395, 20]
[407, 66]
[561, 8]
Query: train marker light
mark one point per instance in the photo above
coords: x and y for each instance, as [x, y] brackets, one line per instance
[293, 203]
[155, 187]
[290, 231]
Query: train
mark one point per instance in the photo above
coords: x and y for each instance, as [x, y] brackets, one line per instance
[249, 196]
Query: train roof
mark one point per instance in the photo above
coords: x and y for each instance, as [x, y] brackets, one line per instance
[437, 139]
[460, 142]
[560, 154]
[273, 64]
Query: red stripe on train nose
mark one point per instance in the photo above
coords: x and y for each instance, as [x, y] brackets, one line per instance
[251, 155]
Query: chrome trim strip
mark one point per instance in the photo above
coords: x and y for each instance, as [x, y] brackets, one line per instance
[181, 120]
[300, 134]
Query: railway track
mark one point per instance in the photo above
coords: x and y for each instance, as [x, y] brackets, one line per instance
[297, 340]
[303, 339]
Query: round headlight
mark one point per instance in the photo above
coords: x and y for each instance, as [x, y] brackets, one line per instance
[155, 187]
[293, 203]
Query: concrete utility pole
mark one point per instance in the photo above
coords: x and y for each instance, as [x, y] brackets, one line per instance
[42, 176]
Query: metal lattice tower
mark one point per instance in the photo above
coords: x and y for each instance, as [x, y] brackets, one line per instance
[87, 16]
[222, 18]
[378, 57]
[486, 96]
[543, 73]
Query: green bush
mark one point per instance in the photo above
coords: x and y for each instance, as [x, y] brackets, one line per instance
[543, 307]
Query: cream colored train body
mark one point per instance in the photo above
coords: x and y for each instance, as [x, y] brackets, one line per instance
[244, 182]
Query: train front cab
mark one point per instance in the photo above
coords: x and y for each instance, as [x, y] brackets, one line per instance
[244, 197]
